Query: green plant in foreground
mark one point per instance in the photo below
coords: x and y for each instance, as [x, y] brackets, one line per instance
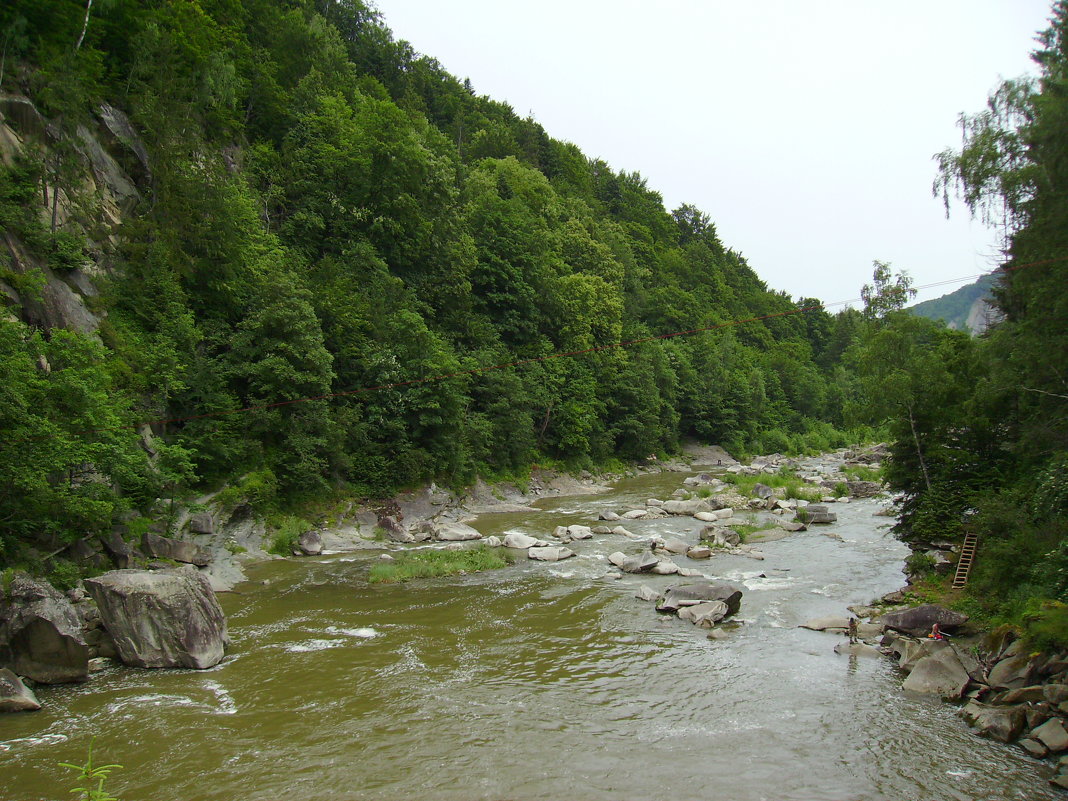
[92, 778]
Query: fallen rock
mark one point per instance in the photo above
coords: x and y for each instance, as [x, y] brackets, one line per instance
[941, 674]
[180, 551]
[493, 542]
[816, 513]
[601, 530]
[1034, 748]
[707, 517]
[617, 558]
[634, 514]
[791, 525]
[676, 546]
[699, 552]
[580, 532]
[608, 516]
[41, 634]
[202, 523]
[14, 695]
[622, 532]
[689, 572]
[1012, 672]
[549, 554]
[677, 596]
[161, 618]
[1003, 724]
[918, 620]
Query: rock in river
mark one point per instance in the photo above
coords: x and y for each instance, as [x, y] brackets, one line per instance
[704, 615]
[521, 541]
[941, 673]
[676, 596]
[161, 618]
[40, 633]
[1001, 723]
[549, 554]
[456, 532]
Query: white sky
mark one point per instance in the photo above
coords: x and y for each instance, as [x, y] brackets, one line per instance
[804, 128]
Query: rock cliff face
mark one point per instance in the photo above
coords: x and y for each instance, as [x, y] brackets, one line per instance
[161, 618]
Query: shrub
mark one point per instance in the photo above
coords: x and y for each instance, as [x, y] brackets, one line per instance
[287, 529]
[919, 564]
[434, 563]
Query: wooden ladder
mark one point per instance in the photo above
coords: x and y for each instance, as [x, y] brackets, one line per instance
[964, 564]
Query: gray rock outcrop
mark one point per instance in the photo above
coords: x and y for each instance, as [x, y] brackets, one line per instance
[456, 532]
[310, 543]
[180, 551]
[41, 633]
[161, 618]
[1003, 724]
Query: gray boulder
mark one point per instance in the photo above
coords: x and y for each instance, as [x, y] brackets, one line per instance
[791, 525]
[14, 695]
[180, 551]
[838, 624]
[690, 507]
[642, 563]
[395, 531]
[856, 649]
[41, 633]
[619, 531]
[118, 549]
[310, 543]
[456, 532]
[676, 597]
[918, 620]
[520, 541]
[1003, 724]
[580, 532]
[763, 491]
[162, 618]
[646, 593]
[608, 516]
[940, 674]
[665, 567]
[549, 554]
[699, 552]
[1012, 672]
[675, 545]
[721, 537]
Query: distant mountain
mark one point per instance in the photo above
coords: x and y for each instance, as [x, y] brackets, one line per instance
[966, 309]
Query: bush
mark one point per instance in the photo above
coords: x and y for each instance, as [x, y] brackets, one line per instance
[434, 563]
[287, 529]
[919, 564]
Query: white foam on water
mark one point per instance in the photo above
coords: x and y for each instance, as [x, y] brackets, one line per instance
[44, 739]
[365, 633]
[226, 701]
[152, 699]
[767, 583]
[309, 646]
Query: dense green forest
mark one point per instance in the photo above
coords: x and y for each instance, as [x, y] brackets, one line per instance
[320, 217]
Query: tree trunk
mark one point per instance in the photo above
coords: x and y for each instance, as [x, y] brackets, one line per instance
[919, 450]
[85, 25]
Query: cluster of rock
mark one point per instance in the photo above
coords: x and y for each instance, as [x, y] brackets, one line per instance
[702, 603]
[143, 618]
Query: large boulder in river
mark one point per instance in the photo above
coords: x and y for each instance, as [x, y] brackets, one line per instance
[704, 615]
[310, 543]
[456, 532]
[161, 618]
[918, 620]
[41, 633]
[178, 550]
[514, 539]
[14, 695]
[690, 507]
[642, 563]
[699, 591]
[816, 513]
[941, 674]
[550, 553]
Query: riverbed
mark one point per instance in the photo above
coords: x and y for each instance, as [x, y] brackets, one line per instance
[538, 681]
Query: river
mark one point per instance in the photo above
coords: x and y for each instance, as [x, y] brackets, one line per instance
[538, 681]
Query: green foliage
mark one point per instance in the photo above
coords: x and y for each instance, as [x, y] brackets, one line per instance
[92, 778]
[919, 564]
[284, 531]
[409, 565]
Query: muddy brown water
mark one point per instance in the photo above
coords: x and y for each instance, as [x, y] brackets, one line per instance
[539, 681]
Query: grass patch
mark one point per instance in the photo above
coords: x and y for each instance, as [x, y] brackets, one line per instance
[859, 472]
[433, 563]
[787, 480]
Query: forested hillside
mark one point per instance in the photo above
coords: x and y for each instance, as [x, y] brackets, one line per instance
[273, 206]
[962, 309]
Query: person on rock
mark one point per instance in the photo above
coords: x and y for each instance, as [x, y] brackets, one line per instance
[853, 639]
[936, 633]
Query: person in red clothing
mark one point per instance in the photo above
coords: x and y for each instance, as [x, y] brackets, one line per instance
[936, 633]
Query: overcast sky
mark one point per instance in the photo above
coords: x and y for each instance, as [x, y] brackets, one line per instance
[804, 128]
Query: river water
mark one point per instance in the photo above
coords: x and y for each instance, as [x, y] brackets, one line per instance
[538, 681]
